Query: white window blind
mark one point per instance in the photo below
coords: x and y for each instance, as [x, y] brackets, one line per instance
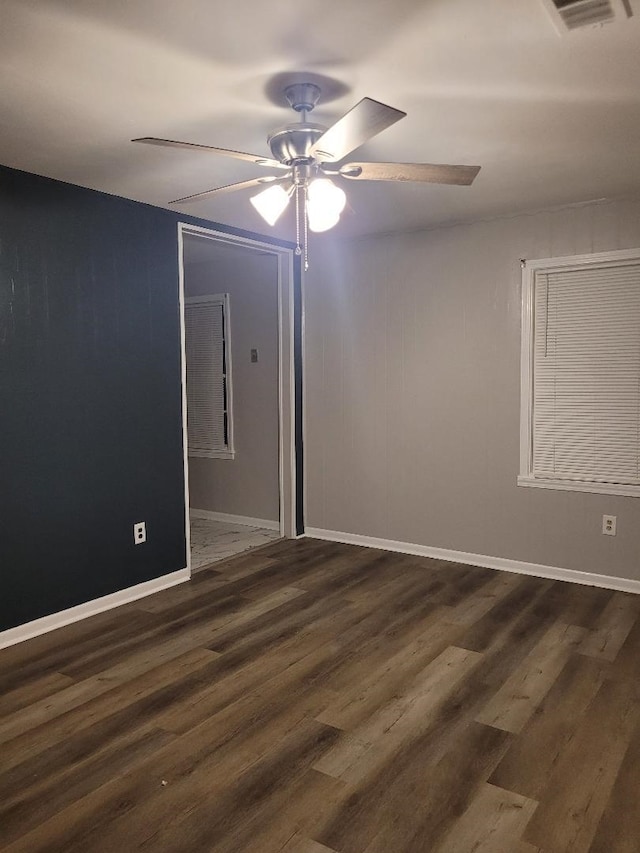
[585, 407]
[208, 377]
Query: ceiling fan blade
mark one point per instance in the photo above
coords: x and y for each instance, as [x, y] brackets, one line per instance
[424, 172]
[361, 123]
[229, 188]
[192, 146]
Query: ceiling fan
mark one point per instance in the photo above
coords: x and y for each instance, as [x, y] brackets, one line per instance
[308, 155]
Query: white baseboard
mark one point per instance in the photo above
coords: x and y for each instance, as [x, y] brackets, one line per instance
[90, 608]
[499, 563]
[234, 519]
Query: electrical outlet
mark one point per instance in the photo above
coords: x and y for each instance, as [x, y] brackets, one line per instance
[254, 356]
[139, 533]
[609, 525]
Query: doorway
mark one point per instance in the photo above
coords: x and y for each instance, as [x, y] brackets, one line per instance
[237, 307]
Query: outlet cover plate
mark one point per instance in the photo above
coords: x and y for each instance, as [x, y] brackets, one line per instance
[139, 532]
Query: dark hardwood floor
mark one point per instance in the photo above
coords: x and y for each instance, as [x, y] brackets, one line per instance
[312, 697]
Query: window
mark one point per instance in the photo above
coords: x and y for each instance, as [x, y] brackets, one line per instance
[580, 408]
[209, 422]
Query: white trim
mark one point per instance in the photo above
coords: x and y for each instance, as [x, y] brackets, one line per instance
[499, 563]
[286, 276]
[90, 608]
[594, 487]
[286, 369]
[592, 259]
[525, 478]
[183, 382]
[226, 328]
[286, 309]
[228, 518]
[526, 369]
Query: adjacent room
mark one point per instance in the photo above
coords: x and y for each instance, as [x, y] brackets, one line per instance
[320, 426]
[232, 397]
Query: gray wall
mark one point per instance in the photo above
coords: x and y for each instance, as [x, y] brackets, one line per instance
[247, 485]
[412, 393]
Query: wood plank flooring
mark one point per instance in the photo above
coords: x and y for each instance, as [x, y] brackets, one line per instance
[312, 697]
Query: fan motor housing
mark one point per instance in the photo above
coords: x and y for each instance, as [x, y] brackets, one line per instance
[292, 143]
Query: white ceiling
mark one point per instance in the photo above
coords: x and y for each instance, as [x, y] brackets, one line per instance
[552, 120]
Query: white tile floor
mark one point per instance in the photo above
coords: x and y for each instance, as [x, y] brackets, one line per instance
[216, 540]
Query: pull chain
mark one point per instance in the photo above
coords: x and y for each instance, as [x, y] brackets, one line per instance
[306, 232]
[298, 249]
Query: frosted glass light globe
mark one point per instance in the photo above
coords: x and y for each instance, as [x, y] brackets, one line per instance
[325, 203]
[271, 203]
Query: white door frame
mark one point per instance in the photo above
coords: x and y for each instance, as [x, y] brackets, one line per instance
[286, 370]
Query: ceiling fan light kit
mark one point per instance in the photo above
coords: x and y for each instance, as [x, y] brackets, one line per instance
[308, 156]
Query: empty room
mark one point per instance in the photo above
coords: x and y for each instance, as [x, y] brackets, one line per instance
[320, 426]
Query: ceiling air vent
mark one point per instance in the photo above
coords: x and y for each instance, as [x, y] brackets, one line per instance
[575, 14]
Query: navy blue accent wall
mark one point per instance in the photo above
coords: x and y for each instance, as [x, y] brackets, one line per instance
[90, 395]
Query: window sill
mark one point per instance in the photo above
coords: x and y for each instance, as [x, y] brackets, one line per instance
[580, 486]
[211, 454]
